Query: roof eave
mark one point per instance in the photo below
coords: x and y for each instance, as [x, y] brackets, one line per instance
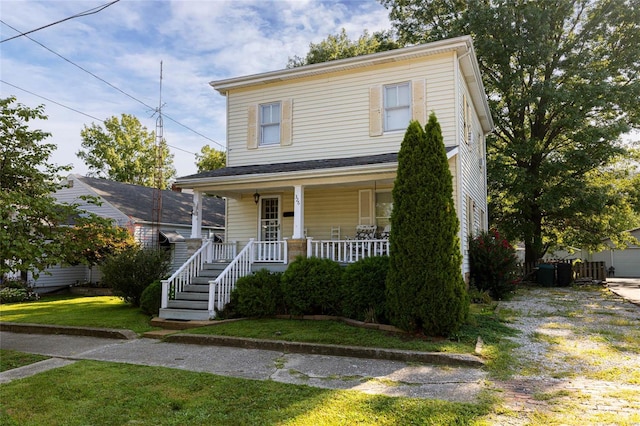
[461, 44]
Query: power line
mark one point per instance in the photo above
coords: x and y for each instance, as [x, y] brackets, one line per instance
[50, 100]
[116, 88]
[85, 13]
[77, 111]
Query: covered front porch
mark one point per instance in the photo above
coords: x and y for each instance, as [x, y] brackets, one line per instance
[336, 209]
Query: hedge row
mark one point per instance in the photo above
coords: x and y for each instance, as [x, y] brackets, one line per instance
[313, 286]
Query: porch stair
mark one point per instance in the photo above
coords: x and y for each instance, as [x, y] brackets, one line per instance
[191, 304]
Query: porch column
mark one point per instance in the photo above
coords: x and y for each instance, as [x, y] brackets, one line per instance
[196, 215]
[298, 212]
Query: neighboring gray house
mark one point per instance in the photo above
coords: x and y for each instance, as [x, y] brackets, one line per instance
[131, 207]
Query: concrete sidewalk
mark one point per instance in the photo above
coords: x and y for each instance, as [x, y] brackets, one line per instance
[627, 288]
[374, 376]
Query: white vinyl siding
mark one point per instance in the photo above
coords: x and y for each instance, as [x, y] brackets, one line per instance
[331, 113]
[397, 106]
[472, 186]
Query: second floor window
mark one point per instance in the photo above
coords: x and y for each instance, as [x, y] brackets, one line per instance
[270, 124]
[397, 106]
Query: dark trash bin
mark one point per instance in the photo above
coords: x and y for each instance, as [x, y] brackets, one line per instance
[565, 274]
[546, 274]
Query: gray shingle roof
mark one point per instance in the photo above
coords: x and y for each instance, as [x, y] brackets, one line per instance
[300, 166]
[297, 166]
[137, 201]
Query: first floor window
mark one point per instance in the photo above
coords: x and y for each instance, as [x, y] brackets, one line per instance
[397, 106]
[270, 124]
[384, 206]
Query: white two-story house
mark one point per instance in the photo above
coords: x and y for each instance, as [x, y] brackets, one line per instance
[312, 151]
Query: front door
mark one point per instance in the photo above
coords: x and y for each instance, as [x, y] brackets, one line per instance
[269, 228]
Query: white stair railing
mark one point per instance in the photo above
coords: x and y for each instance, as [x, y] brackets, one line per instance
[186, 273]
[220, 289]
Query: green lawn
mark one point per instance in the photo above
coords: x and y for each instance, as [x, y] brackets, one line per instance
[12, 359]
[97, 311]
[102, 393]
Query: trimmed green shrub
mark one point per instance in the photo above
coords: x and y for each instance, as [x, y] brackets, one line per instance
[258, 295]
[311, 286]
[425, 289]
[493, 264]
[131, 271]
[363, 287]
[151, 298]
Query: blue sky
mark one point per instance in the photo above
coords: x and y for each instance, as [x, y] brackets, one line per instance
[197, 41]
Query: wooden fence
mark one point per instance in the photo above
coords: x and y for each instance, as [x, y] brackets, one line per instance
[580, 270]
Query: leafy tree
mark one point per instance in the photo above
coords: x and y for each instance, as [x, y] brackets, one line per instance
[562, 77]
[34, 227]
[29, 215]
[92, 239]
[124, 151]
[425, 288]
[210, 159]
[339, 46]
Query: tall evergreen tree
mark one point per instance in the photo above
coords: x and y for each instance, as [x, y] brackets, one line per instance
[425, 289]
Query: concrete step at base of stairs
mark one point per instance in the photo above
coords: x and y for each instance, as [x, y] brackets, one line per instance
[184, 314]
[188, 304]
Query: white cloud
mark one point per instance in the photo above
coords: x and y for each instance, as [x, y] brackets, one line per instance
[198, 41]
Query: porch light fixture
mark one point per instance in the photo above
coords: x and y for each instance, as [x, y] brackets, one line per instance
[256, 197]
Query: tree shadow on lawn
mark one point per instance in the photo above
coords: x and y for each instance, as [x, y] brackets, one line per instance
[90, 392]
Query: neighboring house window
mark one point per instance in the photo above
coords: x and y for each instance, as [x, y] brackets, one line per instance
[270, 124]
[384, 206]
[397, 106]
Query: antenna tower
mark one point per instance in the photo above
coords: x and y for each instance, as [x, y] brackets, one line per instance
[156, 215]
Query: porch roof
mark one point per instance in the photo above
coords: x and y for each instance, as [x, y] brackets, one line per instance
[242, 179]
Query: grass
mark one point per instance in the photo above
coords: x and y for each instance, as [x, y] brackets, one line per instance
[91, 392]
[482, 322]
[97, 311]
[12, 359]
[112, 312]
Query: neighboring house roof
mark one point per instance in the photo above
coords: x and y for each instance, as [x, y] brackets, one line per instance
[302, 165]
[136, 201]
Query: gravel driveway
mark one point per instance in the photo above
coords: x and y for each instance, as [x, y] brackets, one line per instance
[578, 360]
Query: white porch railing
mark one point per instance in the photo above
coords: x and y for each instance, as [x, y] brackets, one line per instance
[220, 289]
[270, 251]
[347, 251]
[208, 252]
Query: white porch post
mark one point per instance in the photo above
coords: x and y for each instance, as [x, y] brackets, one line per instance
[298, 212]
[196, 215]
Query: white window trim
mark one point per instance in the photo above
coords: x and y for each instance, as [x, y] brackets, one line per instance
[385, 108]
[262, 125]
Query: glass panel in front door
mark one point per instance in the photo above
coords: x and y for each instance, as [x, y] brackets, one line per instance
[269, 220]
